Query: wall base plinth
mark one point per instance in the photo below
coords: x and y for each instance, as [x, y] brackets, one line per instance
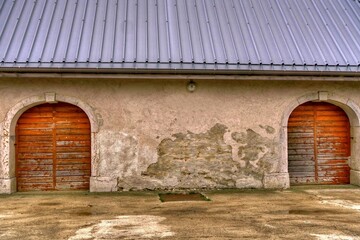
[276, 180]
[355, 177]
[103, 184]
[7, 185]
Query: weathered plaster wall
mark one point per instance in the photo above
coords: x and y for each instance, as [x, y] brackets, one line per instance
[154, 134]
[216, 158]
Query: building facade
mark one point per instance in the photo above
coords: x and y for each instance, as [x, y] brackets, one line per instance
[281, 109]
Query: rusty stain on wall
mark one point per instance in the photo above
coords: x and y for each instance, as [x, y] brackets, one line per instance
[209, 159]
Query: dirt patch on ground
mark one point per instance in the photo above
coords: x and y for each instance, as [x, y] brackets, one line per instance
[184, 197]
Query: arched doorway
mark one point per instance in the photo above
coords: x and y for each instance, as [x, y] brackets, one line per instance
[318, 144]
[53, 148]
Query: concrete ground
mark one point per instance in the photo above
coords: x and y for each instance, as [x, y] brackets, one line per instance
[298, 213]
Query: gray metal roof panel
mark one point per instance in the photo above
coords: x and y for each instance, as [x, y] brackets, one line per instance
[239, 34]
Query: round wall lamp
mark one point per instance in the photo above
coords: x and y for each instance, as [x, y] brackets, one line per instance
[191, 86]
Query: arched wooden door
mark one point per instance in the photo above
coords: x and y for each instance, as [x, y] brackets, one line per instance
[318, 144]
[53, 148]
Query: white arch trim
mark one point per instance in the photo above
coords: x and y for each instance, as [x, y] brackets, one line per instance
[349, 106]
[353, 112]
[7, 127]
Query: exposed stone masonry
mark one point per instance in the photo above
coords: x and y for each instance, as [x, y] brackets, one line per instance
[206, 160]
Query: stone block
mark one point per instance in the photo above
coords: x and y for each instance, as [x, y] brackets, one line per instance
[50, 97]
[7, 185]
[276, 180]
[323, 96]
[103, 184]
[355, 177]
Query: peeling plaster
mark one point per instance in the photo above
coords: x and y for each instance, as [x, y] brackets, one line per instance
[122, 161]
[268, 129]
[252, 148]
[212, 159]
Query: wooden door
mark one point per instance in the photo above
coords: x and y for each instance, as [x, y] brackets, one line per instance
[53, 148]
[318, 144]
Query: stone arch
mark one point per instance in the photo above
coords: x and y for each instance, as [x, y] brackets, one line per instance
[350, 108]
[7, 157]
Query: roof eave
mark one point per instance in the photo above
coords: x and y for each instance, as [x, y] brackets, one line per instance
[348, 71]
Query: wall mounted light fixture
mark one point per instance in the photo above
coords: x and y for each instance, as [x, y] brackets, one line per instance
[191, 86]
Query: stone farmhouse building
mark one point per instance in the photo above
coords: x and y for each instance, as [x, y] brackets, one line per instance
[118, 95]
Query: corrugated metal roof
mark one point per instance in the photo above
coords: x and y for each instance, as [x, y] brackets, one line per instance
[296, 35]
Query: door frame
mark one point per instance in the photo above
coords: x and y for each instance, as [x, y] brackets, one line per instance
[353, 112]
[7, 129]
